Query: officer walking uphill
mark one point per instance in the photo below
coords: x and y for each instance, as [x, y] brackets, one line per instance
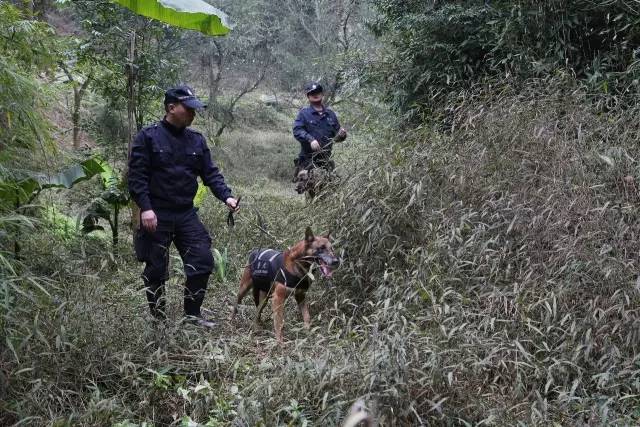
[165, 161]
[316, 128]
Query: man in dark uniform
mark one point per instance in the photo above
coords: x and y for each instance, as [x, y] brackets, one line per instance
[316, 128]
[166, 159]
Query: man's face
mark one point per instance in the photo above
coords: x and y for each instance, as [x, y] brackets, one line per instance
[315, 97]
[182, 116]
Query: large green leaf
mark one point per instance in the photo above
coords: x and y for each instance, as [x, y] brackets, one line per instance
[190, 14]
[201, 194]
[110, 178]
[75, 174]
[21, 191]
[221, 261]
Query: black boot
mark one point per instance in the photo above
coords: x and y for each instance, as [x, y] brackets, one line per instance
[156, 299]
[194, 290]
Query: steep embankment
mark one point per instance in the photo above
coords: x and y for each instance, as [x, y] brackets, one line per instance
[496, 262]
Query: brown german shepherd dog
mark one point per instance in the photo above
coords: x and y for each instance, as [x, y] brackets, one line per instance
[281, 274]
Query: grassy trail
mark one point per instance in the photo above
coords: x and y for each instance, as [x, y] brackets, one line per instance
[240, 354]
[99, 360]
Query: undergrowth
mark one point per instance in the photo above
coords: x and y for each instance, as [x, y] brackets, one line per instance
[488, 277]
[500, 260]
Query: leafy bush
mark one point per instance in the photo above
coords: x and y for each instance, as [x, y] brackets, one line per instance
[26, 48]
[435, 49]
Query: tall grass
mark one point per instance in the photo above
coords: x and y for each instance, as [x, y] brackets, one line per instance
[500, 261]
[489, 277]
[249, 156]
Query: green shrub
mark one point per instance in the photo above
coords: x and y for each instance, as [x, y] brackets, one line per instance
[435, 49]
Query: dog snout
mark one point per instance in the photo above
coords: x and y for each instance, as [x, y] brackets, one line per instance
[331, 261]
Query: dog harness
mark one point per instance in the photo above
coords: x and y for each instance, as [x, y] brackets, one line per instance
[267, 266]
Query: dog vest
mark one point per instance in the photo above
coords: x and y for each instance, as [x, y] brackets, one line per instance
[267, 266]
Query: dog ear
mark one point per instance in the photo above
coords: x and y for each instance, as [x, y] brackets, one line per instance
[308, 235]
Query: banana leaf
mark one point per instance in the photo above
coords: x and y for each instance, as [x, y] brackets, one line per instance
[21, 191]
[221, 260]
[190, 14]
[110, 178]
[201, 194]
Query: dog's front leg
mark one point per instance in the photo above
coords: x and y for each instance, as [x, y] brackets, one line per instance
[304, 308]
[246, 284]
[262, 302]
[277, 305]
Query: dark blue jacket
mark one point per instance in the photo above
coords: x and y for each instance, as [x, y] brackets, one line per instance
[164, 165]
[319, 125]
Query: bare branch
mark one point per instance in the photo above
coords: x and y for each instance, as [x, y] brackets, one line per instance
[228, 111]
[303, 23]
[66, 71]
[85, 85]
[250, 88]
[215, 76]
[344, 40]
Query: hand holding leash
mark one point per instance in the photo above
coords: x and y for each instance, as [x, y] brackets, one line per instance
[234, 206]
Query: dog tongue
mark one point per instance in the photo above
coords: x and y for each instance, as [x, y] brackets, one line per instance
[326, 271]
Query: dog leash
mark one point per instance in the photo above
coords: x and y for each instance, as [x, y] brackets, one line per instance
[259, 225]
[231, 222]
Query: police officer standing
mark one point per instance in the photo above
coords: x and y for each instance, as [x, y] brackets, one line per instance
[166, 159]
[316, 128]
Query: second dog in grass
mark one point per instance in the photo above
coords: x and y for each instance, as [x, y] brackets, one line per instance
[272, 273]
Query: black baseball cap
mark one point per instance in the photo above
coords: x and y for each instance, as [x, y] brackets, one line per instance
[185, 95]
[313, 87]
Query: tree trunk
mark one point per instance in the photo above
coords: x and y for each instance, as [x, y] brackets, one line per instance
[75, 118]
[27, 8]
[114, 227]
[78, 94]
[41, 8]
[131, 91]
[131, 120]
[215, 74]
